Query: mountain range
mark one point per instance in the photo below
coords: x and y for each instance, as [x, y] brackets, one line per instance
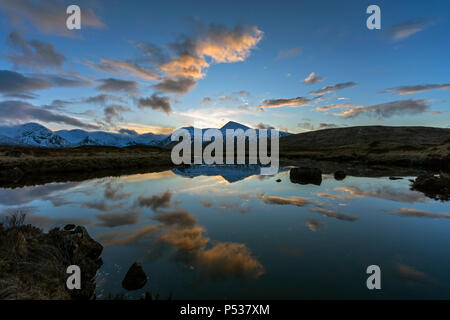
[36, 135]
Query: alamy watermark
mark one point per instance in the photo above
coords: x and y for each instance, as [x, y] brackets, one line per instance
[213, 152]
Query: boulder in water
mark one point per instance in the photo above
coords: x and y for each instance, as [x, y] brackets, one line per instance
[306, 175]
[135, 278]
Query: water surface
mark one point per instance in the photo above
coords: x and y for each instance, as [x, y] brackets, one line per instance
[231, 233]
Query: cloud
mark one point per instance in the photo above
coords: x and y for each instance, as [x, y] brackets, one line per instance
[327, 125]
[47, 16]
[118, 219]
[116, 238]
[229, 259]
[290, 53]
[333, 88]
[186, 239]
[383, 192]
[410, 212]
[180, 218]
[406, 29]
[115, 85]
[179, 229]
[100, 206]
[206, 100]
[128, 132]
[206, 204]
[295, 201]
[389, 109]
[333, 214]
[185, 66]
[156, 102]
[178, 85]
[242, 93]
[156, 201]
[114, 192]
[18, 112]
[114, 112]
[264, 126]
[178, 69]
[409, 273]
[101, 99]
[277, 103]
[123, 68]
[312, 78]
[34, 53]
[64, 81]
[13, 83]
[224, 45]
[305, 125]
[314, 225]
[404, 90]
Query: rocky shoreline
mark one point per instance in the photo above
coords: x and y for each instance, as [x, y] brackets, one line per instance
[33, 263]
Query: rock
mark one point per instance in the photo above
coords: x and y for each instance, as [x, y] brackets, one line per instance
[395, 178]
[90, 248]
[35, 267]
[339, 175]
[135, 278]
[306, 175]
[432, 186]
[278, 180]
[69, 227]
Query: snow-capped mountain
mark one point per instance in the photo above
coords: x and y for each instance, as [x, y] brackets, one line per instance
[231, 173]
[229, 125]
[36, 135]
[79, 137]
[33, 135]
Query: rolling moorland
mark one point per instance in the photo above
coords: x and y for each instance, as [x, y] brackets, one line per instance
[418, 147]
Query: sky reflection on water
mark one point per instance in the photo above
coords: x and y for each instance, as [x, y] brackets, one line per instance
[249, 236]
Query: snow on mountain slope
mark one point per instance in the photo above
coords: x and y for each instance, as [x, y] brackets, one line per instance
[101, 138]
[35, 135]
[231, 125]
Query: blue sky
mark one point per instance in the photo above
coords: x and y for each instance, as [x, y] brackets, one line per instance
[154, 66]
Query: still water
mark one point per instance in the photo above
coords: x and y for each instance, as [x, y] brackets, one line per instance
[214, 233]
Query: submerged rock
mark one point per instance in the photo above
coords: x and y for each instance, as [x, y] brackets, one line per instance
[306, 175]
[278, 180]
[135, 278]
[432, 186]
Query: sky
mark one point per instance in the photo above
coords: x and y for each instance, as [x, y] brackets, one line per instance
[148, 66]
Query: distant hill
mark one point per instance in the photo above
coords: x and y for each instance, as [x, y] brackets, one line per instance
[338, 137]
[404, 146]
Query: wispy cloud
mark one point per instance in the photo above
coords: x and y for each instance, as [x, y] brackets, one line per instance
[333, 88]
[312, 78]
[34, 54]
[289, 53]
[115, 85]
[19, 112]
[389, 109]
[406, 29]
[404, 90]
[278, 103]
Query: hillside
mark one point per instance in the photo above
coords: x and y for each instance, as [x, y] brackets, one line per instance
[373, 145]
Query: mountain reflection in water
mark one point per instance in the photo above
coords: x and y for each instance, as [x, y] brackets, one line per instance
[226, 232]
